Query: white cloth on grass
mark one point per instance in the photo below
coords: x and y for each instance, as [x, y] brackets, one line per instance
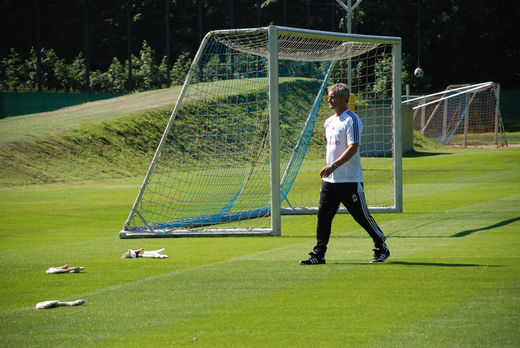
[64, 269]
[57, 303]
[133, 254]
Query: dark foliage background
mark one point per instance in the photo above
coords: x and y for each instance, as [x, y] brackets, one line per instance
[460, 41]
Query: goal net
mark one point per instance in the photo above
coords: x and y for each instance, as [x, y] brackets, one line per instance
[461, 115]
[241, 147]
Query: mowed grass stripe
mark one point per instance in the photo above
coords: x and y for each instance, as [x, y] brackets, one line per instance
[338, 301]
[252, 290]
[275, 311]
[457, 222]
[481, 299]
[73, 210]
[192, 293]
[210, 287]
[354, 306]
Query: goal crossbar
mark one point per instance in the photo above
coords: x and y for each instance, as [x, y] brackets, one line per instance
[472, 88]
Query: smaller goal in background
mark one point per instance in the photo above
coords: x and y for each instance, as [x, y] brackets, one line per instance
[462, 115]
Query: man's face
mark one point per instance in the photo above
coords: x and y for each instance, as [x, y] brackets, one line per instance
[336, 101]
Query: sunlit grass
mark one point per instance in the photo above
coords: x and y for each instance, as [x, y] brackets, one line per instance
[452, 279]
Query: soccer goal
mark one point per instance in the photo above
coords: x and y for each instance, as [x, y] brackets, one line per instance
[461, 115]
[241, 147]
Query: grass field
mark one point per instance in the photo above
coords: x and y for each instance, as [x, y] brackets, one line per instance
[453, 279]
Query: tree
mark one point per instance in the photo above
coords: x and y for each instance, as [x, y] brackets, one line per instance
[116, 77]
[148, 69]
[49, 60]
[164, 73]
[99, 82]
[64, 74]
[180, 68]
[79, 69]
[460, 40]
[14, 71]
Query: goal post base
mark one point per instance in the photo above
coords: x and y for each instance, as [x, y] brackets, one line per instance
[217, 232]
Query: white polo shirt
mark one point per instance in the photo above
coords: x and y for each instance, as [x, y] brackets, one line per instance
[341, 132]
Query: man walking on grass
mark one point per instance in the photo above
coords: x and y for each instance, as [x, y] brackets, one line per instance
[342, 178]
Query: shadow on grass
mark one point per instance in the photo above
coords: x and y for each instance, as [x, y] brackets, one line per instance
[390, 235]
[410, 263]
[490, 227]
[437, 264]
[417, 236]
[414, 154]
[459, 234]
[313, 236]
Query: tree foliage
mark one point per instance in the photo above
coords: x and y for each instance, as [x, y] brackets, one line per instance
[459, 41]
[58, 75]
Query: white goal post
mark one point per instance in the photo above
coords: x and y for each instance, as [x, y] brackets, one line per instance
[239, 147]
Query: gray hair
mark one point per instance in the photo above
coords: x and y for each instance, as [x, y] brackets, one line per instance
[340, 89]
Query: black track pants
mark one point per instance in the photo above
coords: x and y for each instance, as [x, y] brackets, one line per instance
[353, 198]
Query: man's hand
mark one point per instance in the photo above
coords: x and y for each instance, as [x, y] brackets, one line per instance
[345, 157]
[326, 171]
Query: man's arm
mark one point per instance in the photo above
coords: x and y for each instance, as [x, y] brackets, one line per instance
[344, 158]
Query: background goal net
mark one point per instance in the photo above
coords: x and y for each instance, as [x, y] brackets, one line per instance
[461, 115]
[241, 147]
